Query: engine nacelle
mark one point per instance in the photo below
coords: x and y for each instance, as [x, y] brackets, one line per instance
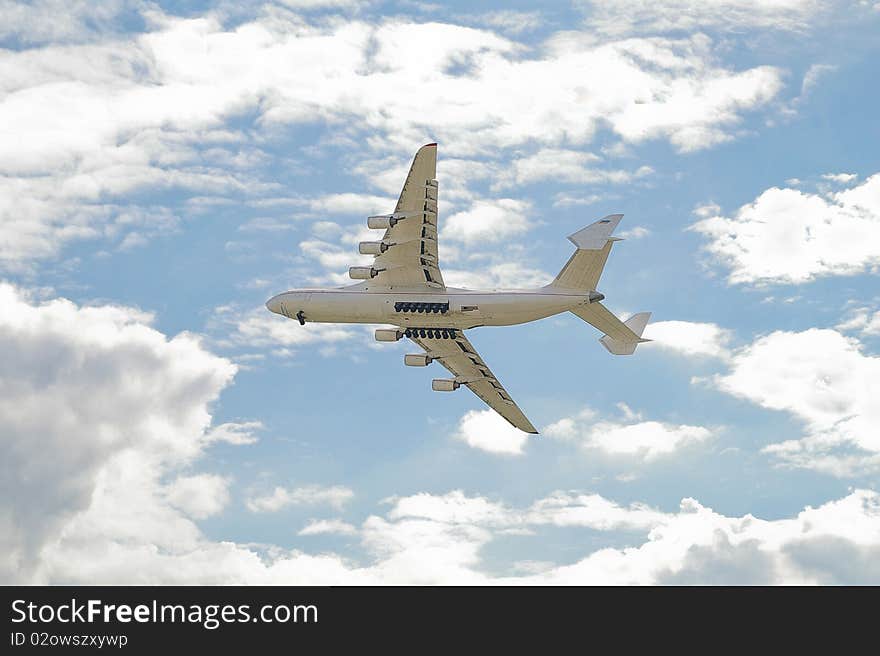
[417, 360]
[380, 222]
[388, 334]
[362, 273]
[595, 297]
[444, 385]
[385, 221]
[372, 247]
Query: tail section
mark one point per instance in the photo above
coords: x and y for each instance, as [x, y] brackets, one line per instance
[636, 324]
[581, 274]
[584, 267]
[621, 337]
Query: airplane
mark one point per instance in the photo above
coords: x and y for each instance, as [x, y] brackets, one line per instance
[404, 287]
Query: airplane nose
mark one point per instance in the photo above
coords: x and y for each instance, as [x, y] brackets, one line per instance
[274, 305]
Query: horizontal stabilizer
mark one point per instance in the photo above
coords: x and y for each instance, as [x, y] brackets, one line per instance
[596, 235]
[636, 324]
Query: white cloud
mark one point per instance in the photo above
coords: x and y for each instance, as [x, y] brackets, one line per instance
[636, 232]
[811, 78]
[452, 508]
[125, 531]
[199, 496]
[569, 166]
[280, 498]
[96, 408]
[498, 275]
[567, 200]
[862, 319]
[688, 338]
[647, 439]
[259, 328]
[840, 178]
[328, 527]
[41, 21]
[825, 380]
[323, 4]
[513, 22]
[351, 204]
[646, 17]
[631, 438]
[487, 431]
[238, 433]
[152, 111]
[788, 236]
[488, 220]
[837, 542]
[593, 511]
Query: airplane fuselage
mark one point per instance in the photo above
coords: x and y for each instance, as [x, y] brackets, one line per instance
[449, 308]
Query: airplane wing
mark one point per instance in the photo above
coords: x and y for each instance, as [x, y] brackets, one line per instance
[458, 355]
[411, 259]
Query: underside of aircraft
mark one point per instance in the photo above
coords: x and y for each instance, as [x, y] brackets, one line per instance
[404, 287]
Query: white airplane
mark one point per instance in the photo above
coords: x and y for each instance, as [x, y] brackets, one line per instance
[404, 287]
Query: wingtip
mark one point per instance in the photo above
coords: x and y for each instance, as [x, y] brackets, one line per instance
[430, 144]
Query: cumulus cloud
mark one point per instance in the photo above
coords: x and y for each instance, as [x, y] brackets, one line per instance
[636, 232]
[96, 408]
[496, 275]
[865, 320]
[788, 236]
[825, 380]
[234, 432]
[699, 545]
[643, 16]
[280, 498]
[328, 527]
[58, 21]
[259, 328]
[568, 166]
[200, 495]
[488, 431]
[630, 438]
[128, 530]
[488, 220]
[840, 178]
[690, 339]
[154, 111]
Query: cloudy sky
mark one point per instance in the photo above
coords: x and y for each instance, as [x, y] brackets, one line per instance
[166, 167]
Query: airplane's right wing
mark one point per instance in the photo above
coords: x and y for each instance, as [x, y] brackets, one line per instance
[458, 355]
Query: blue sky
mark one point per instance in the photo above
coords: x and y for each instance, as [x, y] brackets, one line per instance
[168, 167]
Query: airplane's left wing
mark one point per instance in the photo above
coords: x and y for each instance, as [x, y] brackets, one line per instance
[459, 356]
[409, 258]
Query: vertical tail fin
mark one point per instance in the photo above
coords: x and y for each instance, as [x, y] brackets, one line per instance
[584, 267]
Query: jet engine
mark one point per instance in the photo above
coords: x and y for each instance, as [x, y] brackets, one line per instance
[388, 334]
[385, 221]
[444, 385]
[362, 273]
[417, 360]
[372, 247]
[380, 222]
